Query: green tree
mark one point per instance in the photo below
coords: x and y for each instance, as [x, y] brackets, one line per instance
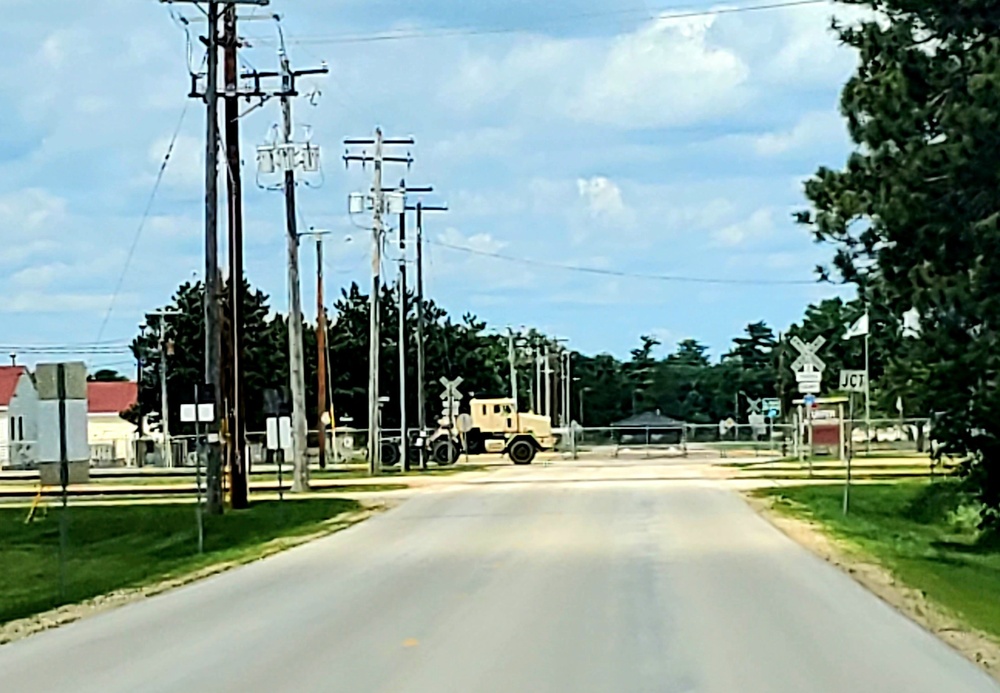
[914, 213]
[106, 375]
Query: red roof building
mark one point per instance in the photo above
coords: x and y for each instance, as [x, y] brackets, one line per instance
[111, 398]
[9, 375]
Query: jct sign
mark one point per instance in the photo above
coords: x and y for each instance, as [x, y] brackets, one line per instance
[853, 381]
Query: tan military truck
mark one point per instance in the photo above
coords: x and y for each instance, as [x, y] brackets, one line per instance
[494, 426]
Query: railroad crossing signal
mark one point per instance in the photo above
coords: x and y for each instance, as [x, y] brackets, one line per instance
[772, 407]
[451, 388]
[807, 359]
[808, 366]
[450, 398]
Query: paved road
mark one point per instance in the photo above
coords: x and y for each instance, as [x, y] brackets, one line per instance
[565, 579]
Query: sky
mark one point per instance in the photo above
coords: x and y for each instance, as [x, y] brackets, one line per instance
[599, 134]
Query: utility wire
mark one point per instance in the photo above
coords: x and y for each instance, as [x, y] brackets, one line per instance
[145, 218]
[472, 31]
[622, 273]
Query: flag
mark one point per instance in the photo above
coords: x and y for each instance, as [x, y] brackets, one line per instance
[858, 329]
[911, 323]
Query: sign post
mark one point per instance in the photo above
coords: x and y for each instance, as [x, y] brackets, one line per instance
[850, 452]
[278, 407]
[202, 411]
[450, 398]
[62, 437]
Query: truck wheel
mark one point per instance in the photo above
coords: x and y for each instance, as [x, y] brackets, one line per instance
[389, 453]
[445, 452]
[521, 452]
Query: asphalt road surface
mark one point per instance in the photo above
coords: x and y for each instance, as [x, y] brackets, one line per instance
[564, 578]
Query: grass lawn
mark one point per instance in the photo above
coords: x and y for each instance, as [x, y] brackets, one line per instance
[923, 532]
[112, 547]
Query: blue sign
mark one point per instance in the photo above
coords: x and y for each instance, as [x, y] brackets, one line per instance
[772, 413]
[809, 400]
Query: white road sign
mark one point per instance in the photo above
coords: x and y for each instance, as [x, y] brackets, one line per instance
[810, 387]
[451, 388]
[808, 377]
[807, 359]
[853, 381]
[279, 433]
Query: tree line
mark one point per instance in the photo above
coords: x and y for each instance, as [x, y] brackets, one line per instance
[687, 384]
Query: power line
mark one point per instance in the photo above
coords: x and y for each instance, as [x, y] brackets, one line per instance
[622, 273]
[473, 31]
[145, 217]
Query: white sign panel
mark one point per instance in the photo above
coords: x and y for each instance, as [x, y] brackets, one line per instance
[808, 377]
[205, 413]
[77, 447]
[451, 388]
[853, 381]
[810, 387]
[279, 433]
[807, 359]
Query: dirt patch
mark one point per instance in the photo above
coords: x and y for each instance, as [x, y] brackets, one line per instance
[975, 645]
[22, 628]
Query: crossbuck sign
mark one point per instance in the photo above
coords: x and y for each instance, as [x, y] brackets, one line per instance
[807, 360]
[451, 397]
[808, 366]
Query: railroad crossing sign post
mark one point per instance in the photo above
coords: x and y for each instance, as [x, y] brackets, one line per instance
[808, 366]
[450, 399]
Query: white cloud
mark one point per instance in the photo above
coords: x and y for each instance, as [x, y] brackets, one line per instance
[30, 213]
[667, 73]
[756, 226]
[186, 167]
[479, 242]
[33, 301]
[39, 276]
[815, 128]
[473, 145]
[603, 201]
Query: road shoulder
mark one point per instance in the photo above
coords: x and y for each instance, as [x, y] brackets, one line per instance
[63, 615]
[976, 646]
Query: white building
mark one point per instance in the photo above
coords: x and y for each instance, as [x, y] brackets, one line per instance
[112, 438]
[18, 417]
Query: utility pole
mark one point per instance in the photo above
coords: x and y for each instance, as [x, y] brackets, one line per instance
[568, 380]
[379, 207]
[296, 357]
[286, 156]
[212, 305]
[513, 366]
[321, 353]
[547, 367]
[404, 458]
[420, 208]
[213, 340]
[539, 394]
[237, 427]
[164, 400]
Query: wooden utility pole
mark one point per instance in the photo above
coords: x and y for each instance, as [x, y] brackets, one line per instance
[236, 425]
[404, 444]
[296, 355]
[380, 209]
[213, 341]
[421, 396]
[403, 427]
[321, 353]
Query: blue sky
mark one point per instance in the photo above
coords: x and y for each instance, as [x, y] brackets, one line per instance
[599, 134]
